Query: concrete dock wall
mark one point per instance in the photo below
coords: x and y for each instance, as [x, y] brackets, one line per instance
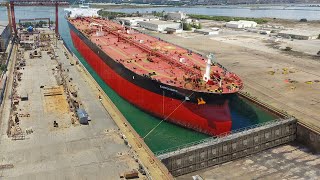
[308, 136]
[234, 146]
[3, 84]
[3, 79]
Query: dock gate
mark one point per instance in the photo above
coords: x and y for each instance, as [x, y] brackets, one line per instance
[217, 150]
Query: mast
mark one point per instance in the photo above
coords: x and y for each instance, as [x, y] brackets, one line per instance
[206, 76]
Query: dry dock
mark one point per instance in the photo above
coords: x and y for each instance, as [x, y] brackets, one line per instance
[33, 147]
[286, 82]
[287, 89]
[156, 169]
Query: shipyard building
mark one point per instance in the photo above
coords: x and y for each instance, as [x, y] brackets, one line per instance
[5, 35]
[301, 35]
[134, 21]
[214, 31]
[241, 24]
[159, 25]
[176, 16]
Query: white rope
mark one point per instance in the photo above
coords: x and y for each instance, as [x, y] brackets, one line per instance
[166, 117]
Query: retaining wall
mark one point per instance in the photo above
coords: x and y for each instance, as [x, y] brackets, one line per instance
[3, 84]
[3, 79]
[234, 146]
[308, 136]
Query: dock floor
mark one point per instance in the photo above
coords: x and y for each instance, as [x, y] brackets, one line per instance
[94, 151]
[284, 162]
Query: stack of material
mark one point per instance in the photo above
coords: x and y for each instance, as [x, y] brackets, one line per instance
[83, 116]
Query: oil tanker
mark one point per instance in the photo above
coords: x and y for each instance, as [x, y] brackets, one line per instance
[165, 80]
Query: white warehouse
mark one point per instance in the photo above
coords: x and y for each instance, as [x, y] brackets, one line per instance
[134, 21]
[241, 24]
[159, 25]
[177, 15]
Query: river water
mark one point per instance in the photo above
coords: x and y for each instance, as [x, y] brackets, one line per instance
[166, 135]
[283, 12]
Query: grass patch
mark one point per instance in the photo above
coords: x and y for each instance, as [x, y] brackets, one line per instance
[112, 15]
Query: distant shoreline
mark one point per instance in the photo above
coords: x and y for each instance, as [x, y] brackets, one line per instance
[138, 6]
[126, 6]
[293, 12]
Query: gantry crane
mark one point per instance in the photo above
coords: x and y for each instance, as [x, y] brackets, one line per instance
[11, 15]
[8, 11]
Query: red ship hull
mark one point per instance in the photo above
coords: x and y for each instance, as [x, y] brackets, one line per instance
[211, 119]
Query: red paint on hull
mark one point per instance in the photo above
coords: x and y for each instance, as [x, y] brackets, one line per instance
[209, 119]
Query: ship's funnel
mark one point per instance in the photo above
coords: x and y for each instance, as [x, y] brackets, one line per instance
[206, 76]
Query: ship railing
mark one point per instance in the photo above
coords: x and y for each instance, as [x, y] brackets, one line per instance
[219, 138]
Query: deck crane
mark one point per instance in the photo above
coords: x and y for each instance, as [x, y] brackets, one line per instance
[99, 32]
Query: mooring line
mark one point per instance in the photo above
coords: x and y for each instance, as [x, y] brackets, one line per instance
[167, 116]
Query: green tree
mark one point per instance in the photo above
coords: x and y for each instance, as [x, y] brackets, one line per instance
[186, 27]
[3, 67]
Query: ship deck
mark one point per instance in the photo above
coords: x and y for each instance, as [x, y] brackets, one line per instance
[149, 56]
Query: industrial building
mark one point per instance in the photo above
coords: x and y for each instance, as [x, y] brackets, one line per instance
[5, 35]
[241, 24]
[260, 31]
[159, 25]
[134, 21]
[206, 31]
[130, 21]
[301, 35]
[176, 15]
